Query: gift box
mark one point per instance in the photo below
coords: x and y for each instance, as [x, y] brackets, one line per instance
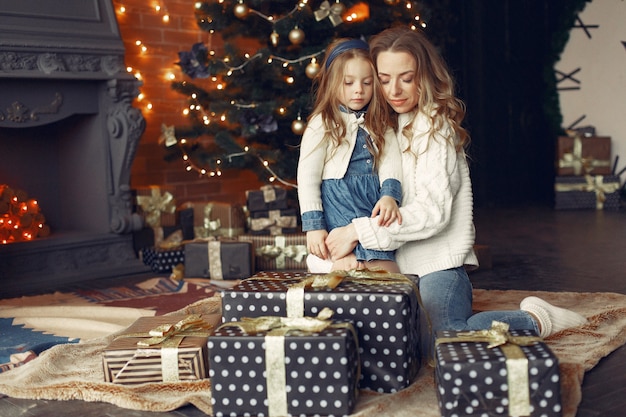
[160, 349]
[148, 237]
[278, 366]
[156, 206]
[268, 197]
[216, 219]
[219, 259]
[162, 260]
[594, 192]
[273, 222]
[383, 310]
[496, 372]
[581, 155]
[282, 252]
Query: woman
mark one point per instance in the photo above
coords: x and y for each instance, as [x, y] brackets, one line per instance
[436, 237]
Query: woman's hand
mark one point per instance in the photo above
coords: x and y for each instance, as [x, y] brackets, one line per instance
[341, 241]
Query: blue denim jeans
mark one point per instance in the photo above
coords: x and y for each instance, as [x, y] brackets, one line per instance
[447, 299]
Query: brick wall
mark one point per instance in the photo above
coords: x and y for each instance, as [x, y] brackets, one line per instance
[141, 21]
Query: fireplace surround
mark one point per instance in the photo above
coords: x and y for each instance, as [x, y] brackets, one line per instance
[68, 135]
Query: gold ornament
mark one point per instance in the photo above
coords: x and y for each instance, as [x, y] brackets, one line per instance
[296, 36]
[298, 126]
[241, 10]
[274, 37]
[312, 69]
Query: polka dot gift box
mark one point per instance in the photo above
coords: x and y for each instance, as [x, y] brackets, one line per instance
[496, 372]
[283, 371]
[385, 315]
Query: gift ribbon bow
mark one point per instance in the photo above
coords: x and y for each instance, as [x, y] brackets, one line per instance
[593, 183]
[274, 219]
[332, 12]
[576, 161]
[155, 204]
[276, 328]
[516, 362]
[279, 251]
[169, 336]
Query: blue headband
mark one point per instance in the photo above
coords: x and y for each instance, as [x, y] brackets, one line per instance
[346, 46]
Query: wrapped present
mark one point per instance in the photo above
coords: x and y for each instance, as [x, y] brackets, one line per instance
[160, 349]
[148, 237]
[156, 206]
[219, 259]
[163, 260]
[383, 307]
[268, 197]
[496, 372]
[216, 219]
[581, 155]
[295, 366]
[283, 252]
[273, 222]
[595, 192]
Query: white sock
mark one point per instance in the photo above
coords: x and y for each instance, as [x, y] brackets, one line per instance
[551, 319]
[317, 265]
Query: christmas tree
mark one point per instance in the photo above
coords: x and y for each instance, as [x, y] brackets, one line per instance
[248, 106]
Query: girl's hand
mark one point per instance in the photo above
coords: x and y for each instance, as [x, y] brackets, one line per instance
[387, 211]
[341, 241]
[315, 243]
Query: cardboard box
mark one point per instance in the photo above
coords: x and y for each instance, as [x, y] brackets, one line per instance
[219, 259]
[300, 373]
[385, 315]
[581, 155]
[181, 357]
[474, 379]
[589, 192]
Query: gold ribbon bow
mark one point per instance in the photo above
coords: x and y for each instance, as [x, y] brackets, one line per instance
[516, 362]
[279, 251]
[276, 328]
[332, 12]
[274, 220]
[593, 183]
[155, 204]
[169, 337]
[576, 161]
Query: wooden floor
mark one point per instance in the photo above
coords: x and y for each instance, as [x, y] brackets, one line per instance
[531, 249]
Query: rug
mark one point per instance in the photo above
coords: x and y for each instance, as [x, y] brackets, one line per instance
[33, 324]
[54, 375]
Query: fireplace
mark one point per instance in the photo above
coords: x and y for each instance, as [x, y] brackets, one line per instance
[68, 135]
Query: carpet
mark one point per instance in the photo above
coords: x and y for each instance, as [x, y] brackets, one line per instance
[30, 325]
[54, 375]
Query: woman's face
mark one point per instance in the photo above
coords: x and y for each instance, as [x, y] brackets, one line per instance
[397, 72]
[358, 84]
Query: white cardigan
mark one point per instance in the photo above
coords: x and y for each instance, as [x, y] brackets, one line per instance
[437, 230]
[319, 161]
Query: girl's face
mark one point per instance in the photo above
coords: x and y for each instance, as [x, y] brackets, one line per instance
[358, 84]
[397, 73]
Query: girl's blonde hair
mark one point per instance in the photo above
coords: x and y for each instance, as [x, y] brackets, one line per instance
[326, 87]
[435, 86]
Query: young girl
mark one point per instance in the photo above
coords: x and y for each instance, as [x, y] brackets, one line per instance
[347, 169]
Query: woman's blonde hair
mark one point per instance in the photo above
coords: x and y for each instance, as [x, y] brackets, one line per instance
[326, 87]
[434, 83]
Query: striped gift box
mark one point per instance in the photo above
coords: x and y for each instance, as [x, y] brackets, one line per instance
[124, 362]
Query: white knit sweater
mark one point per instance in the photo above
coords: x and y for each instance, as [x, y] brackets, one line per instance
[437, 230]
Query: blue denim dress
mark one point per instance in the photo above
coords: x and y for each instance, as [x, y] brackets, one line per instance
[354, 195]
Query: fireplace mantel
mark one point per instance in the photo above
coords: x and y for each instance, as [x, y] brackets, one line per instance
[68, 136]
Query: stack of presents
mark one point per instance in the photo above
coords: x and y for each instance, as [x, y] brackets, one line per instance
[289, 342]
[585, 175]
